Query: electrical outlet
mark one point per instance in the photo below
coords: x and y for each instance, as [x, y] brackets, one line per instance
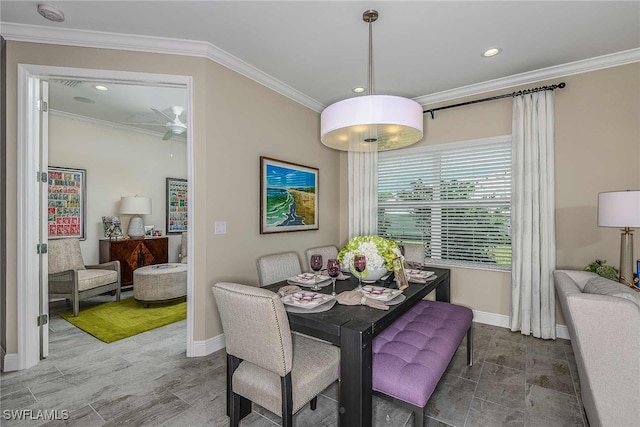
[220, 227]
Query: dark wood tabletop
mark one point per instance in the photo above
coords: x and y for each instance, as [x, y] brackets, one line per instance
[353, 328]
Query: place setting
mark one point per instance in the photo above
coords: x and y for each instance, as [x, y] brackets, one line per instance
[297, 300]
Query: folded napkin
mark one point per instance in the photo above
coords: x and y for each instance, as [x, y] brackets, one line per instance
[356, 298]
[308, 278]
[287, 290]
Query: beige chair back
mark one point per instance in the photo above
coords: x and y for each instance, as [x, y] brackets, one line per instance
[413, 252]
[277, 267]
[327, 252]
[64, 254]
[255, 325]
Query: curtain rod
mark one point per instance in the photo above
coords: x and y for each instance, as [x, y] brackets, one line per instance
[506, 95]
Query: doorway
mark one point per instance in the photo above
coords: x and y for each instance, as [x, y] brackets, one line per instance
[29, 270]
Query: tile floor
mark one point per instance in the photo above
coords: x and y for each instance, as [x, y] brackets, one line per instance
[146, 380]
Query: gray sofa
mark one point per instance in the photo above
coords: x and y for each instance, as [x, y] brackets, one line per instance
[603, 318]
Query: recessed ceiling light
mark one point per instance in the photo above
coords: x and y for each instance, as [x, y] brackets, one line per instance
[493, 51]
[50, 13]
[83, 99]
[101, 87]
[358, 89]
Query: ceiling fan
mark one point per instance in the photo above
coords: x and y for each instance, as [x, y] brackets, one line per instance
[173, 124]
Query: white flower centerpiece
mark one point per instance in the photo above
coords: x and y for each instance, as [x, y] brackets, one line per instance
[379, 252]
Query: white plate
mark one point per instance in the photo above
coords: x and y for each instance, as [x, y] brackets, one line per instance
[396, 300]
[306, 299]
[320, 284]
[307, 279]
[379, 293]
[419, 274]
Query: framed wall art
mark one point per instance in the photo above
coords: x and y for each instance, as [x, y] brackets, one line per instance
[288, 196]
[177, 202]
[66, 203]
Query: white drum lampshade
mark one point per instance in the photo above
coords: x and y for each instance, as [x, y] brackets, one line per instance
[621, 209]
[371, 123]
[135, 206]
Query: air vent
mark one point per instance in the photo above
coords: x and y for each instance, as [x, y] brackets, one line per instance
[69, 83]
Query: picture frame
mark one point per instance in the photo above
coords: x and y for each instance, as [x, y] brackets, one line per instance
[400, 274]
[66, 203]
[288, 196]
[148, 230]
[177, 205]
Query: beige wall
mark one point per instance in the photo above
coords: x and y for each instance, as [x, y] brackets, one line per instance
[235, 122]
[118, 163]
[597, 149]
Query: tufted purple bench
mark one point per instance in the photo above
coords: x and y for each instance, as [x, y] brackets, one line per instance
[410, 356]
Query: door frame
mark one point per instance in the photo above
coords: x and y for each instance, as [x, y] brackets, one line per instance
[27, 197]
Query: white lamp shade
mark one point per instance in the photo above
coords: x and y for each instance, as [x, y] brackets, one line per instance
[619, 209]
[135, 205]
[371, 123]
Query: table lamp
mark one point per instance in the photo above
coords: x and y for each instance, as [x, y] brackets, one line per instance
[621, 209]
[135, 206]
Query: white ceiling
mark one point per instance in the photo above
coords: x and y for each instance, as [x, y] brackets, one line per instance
[319, 48]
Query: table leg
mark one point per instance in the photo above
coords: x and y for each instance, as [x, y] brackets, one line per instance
[355, 375]
[443, 291]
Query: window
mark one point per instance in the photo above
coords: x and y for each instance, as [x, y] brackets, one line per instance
[454, 198]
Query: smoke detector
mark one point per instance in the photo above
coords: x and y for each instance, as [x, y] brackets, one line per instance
[50, 13]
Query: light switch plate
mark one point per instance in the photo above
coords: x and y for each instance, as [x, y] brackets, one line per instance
[220, 227]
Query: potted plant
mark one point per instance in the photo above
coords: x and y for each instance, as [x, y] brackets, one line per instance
[379, 252]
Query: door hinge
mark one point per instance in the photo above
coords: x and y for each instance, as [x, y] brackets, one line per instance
[43, 319]
[42, 177]
[41, 248]
[43, 105]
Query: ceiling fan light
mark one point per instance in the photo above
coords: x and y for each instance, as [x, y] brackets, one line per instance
[371, 123]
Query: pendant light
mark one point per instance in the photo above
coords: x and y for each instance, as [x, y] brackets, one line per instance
[371, 122]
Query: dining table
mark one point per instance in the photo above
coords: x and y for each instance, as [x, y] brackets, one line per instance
[353, 328]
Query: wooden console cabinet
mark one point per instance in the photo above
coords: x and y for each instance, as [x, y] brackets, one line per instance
[134, 253]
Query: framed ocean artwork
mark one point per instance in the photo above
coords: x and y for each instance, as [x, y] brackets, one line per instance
[288, 196]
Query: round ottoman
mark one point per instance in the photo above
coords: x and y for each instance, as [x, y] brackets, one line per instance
[160, 283]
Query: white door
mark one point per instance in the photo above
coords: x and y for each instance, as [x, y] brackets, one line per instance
[43, 323]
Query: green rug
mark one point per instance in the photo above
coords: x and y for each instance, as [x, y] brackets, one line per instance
[113, 321]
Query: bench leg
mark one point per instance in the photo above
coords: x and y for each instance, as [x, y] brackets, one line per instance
[418, 417]
[470, 345]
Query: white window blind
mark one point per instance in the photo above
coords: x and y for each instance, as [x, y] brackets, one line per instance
[455, 199]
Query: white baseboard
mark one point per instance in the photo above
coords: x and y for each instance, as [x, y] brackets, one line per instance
[503, 321]
[9, 361]
[204, 348]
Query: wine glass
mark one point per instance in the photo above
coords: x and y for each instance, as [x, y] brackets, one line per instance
[359, 264]
[333, 270]
[316, 265]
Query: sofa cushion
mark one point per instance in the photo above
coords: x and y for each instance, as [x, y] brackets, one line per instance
[602, 286]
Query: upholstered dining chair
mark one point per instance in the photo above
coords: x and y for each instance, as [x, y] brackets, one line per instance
[266, 364]
[277, 267]
[327, 252]
[69, 278]
[413, 252]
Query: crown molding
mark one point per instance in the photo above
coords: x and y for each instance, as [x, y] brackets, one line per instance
[149, 44]
[558, 71]
[102, 40]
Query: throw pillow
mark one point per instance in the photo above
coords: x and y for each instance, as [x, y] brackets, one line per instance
[602, 286]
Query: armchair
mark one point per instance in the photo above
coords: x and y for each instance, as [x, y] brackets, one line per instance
[69, 278]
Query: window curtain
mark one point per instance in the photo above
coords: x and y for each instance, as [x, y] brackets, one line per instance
[533, 216]
[363, 193]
